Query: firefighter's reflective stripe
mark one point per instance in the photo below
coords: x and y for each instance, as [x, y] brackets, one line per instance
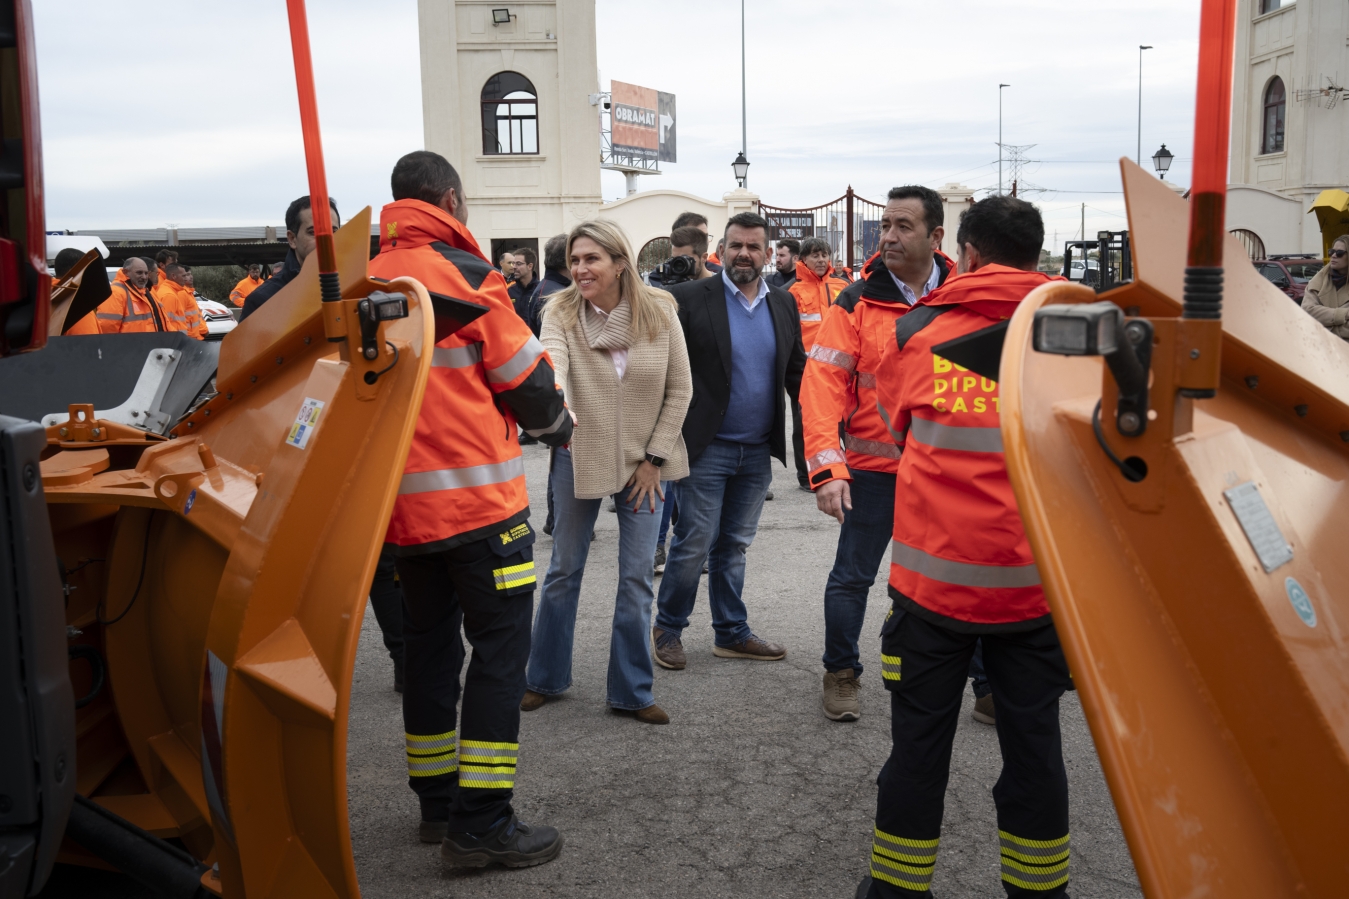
[905, 863]
[811, 316]
[454, 478]
[964, 574]
[114, 317]
[552, 428]
[885, 418]
[487, 766]
[431, 754]
[825, 459]
[518, 364]
[514, 576]
[889, 667]
[872, 447]
[866, 379]
[971, 440]
[831, 356]
[456, 356]
[1034, 864]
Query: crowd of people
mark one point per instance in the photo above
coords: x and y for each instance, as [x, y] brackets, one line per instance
[147, 294]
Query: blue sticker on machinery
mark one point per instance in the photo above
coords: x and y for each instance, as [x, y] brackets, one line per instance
[191, 498]
[1302, 603]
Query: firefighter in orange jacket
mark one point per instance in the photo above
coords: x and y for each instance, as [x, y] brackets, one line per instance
[131, 309]
[461, 533]
[856, 483]
[961, 569]
[814, 289]
[179, 302]
[249, 283]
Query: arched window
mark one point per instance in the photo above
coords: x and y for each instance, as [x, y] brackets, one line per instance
[653, 253]
[1276, 102]
[510, 115]
[1255, 247]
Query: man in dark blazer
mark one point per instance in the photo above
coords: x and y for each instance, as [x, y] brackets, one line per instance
[744, 345]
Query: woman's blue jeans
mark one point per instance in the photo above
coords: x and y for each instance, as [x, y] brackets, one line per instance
[550, 656]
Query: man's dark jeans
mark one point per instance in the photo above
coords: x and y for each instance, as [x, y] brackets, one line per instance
[862, 544]
[719, 506]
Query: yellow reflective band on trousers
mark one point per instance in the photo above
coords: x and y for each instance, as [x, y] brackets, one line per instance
[889, 667]
[431, 754]
[514, 576]
[903, 862]
[487, 766]
[1034, 864]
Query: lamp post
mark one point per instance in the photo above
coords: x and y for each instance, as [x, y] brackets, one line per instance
[741, 169]
[1161, 161]
[1141, 47]
[1000, 87]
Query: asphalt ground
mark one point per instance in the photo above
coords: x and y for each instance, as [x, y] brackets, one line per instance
[749, 791]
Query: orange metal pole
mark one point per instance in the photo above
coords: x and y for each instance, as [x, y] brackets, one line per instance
[313, 149]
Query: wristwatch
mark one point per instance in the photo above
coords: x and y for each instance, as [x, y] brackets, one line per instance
[657, 461]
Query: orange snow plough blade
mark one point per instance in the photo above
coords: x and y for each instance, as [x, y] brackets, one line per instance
[1204, 609]
[227, 576]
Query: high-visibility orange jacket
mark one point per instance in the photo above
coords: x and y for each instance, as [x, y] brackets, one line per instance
[840, 380]
[814, 295]
[243, 289]
[959, 555]
[465, 474]
[181, 312]
[127, 311]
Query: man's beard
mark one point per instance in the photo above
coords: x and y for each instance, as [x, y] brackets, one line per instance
[739, 275]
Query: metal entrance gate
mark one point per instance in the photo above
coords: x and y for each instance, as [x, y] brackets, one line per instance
[851, 224]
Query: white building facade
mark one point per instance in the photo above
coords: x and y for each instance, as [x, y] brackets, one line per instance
[505, 98]
[1290, 120]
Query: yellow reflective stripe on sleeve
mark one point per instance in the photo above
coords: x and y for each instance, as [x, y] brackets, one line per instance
[903, 862]
[1034, 864]
[431, 754]
[514, 576]
[487, 766]
[889, 667]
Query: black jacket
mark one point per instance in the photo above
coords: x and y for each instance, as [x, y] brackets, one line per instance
[269, 288]
[778, 279]
[707, 333]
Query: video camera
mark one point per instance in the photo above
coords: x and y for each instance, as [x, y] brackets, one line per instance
[675, 270]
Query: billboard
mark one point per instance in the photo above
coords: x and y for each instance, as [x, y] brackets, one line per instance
[642, 122]
[799, 225]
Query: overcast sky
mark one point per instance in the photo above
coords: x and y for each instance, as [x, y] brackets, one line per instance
[191, 119]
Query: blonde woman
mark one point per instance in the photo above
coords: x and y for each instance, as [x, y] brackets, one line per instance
[1327, 296]
[619, 354]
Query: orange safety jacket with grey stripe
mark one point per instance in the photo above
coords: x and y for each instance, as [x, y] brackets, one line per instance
[814, 295]
[959, 555]
[465, 474]
[181, 312]
[839, 386]
[243, 289]
[127, 311]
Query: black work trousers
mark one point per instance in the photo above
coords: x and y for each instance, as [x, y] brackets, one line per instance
[387, 600]
[1028, 674]
[466, 774]
[799, 445]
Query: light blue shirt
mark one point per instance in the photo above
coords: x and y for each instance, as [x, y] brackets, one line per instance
[930, 286]
[733, 291]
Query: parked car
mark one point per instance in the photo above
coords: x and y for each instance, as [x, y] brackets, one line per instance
[1290, 273]
[219, 320]
[1080, 268]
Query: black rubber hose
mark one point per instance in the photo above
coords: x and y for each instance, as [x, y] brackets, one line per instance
[155, 864]
[96, 668]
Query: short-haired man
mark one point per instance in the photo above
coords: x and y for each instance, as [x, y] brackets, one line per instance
[178, 301]
[961, 570]
[249, 283]
[130, 309]
[525, 286]
[785, 254]
[855, 482]
[162, 260]
[692, 242]
[65, 260]
[461, 533]
[699, 221]
[300, 237]
[814, 288]
[744, 341]
[506, 263]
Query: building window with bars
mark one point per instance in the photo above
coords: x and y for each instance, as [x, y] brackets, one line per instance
[1276, 104]
[510, 115]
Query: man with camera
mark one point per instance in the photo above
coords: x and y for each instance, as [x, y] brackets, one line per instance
[688, 262]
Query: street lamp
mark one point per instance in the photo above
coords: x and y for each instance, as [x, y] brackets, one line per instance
[741, 168]
[1161, 161]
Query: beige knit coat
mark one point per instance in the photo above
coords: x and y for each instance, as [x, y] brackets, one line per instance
[619, 422]
[1327, 305]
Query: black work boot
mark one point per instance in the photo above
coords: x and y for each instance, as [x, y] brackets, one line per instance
[510, 842]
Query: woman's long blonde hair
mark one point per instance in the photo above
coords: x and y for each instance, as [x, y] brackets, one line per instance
[653, 310]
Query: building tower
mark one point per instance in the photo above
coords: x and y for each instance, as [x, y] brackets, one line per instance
[505, 98]
[1290, 120]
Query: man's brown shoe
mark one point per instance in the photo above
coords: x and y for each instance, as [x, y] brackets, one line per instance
[531, 701]
[751, 648]
[667, 649]
[840, 695]
[984, 712]
[652, 714]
